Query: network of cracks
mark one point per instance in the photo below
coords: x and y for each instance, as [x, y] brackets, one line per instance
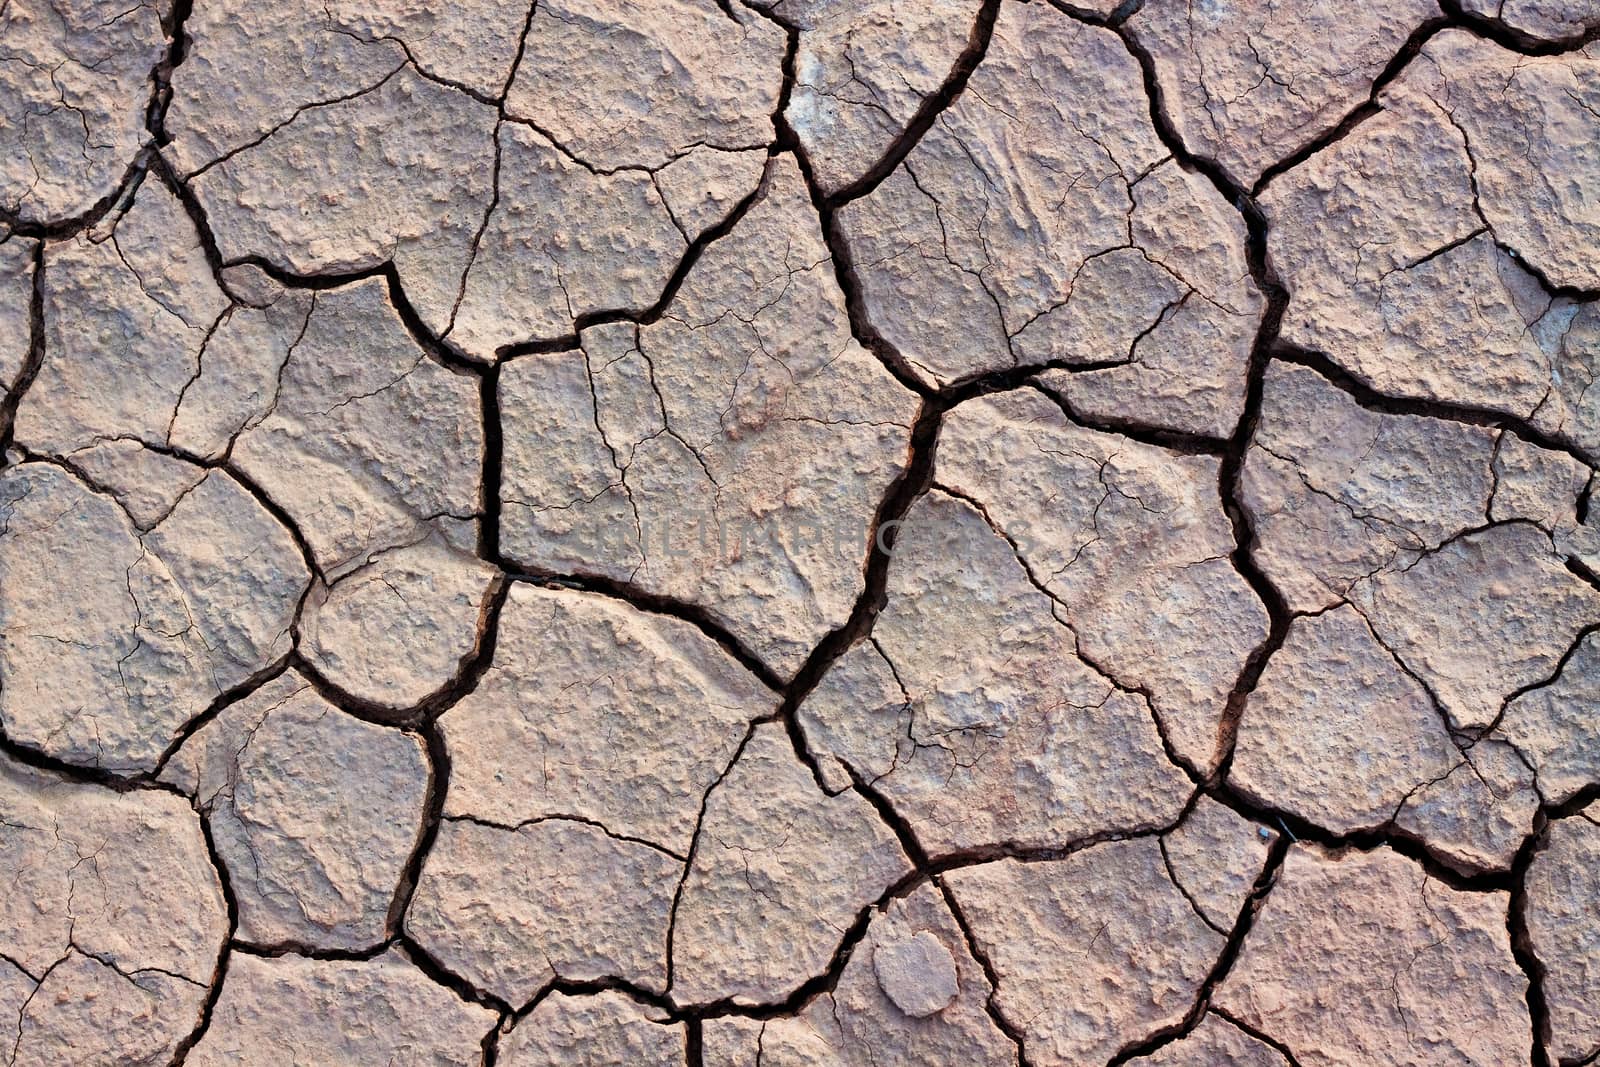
[789, 532]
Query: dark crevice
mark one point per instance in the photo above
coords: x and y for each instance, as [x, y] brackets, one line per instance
[1370, 398]
[1225, 959]
[1183, 890]
[1124, 11]
[990, 974]
[1550, 679]
[427, 833]
[694, 1043]
[907, 487]
[280, 949]
[112, 202]
[492, 470]
[580, 820]
[590, 987]
[1522, 943]
[1089, 16]
[902, 828]
[440, 351]
[928, 112]
[155, 113]
[653, 603]
[1362, 112]
[994, 381]
[813, 987]
[471, 669]
[219, 976]
[39, 760]
[570, 987]
[17, 389]
[648, 315]
[1213, 171]
[1575, 803]
[1260, 1035]
[849, 284]
[1552, 291]
[1187, 444]
[1229, 487]
[271, 507]
[1276, 294]
[694, 845]
[161, 78]
[243, 691]
[1406, 843]
[429, 965]
[1512, 39]
[491, 1043]
[1579, 569]
[522, 50]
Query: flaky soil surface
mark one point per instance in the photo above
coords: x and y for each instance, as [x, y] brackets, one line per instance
[799, 532]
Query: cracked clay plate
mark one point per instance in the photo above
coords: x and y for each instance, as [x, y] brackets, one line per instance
[799, 533]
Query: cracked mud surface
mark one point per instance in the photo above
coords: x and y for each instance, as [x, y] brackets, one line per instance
[792, 532]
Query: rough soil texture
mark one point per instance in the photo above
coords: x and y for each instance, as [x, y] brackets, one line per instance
[800, 533]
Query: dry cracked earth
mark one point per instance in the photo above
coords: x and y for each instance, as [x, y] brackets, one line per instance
[796, 532]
